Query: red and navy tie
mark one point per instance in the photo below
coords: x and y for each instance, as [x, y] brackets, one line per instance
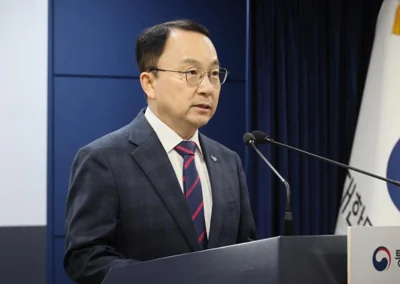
[192, 190]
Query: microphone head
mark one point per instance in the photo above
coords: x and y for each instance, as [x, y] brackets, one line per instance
[260, 137]
[248, 138]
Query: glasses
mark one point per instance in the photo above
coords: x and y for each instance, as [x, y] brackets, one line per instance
[195, 76]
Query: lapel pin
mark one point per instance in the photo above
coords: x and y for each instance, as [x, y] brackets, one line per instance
[214, 158]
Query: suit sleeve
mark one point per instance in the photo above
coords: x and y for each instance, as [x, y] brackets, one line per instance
[91, 220]
[247, 227]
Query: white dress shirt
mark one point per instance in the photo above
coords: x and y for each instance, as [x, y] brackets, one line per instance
[169, 139]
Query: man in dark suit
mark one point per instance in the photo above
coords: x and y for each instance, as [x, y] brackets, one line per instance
[157, 187]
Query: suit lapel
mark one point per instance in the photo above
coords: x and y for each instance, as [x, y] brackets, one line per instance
[213, 163]
[153, 160]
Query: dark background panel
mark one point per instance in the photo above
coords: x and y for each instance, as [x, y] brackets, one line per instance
[98, 37]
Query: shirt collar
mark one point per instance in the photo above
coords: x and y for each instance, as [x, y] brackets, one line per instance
[169, 138]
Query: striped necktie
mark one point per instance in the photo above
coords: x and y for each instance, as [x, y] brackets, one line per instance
[192, 190]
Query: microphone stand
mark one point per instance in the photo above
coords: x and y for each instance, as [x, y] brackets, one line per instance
[270, 140]
[288, 228]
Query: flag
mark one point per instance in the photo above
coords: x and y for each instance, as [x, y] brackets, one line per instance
[367, 201]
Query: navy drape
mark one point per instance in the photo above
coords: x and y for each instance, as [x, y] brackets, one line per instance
[308, 61]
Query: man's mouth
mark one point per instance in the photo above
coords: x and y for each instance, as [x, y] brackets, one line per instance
[203, 106]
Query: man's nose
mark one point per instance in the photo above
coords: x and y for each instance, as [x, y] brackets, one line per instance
[206, 85]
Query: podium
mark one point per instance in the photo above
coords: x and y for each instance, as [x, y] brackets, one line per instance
[373, 254]
[278, 260]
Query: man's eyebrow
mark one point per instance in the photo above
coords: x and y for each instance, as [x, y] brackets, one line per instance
[194, 61]
[215, 62]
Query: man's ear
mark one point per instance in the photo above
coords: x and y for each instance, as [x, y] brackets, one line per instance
[147, 80]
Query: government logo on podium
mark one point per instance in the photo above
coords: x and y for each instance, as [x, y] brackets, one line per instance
[384, 262]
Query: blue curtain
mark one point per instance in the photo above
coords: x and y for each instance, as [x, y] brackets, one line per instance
[308, 62]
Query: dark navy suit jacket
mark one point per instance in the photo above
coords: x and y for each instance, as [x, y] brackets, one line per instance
[125, 203]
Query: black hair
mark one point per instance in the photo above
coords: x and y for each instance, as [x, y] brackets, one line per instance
[151, 43]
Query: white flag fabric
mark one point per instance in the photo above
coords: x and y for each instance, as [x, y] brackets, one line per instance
[367, 201]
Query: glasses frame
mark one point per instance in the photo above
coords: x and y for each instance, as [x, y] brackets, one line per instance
[186, 74]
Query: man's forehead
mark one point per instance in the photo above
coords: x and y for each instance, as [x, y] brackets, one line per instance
[197, 62]
[187, 47]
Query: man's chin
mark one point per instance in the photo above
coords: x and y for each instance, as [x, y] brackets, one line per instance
[199, 119]
[200, 122]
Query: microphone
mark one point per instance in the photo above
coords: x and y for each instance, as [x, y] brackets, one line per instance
[262, 138]
[250, 139]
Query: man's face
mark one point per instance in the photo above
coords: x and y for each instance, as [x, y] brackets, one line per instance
[184, 106]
